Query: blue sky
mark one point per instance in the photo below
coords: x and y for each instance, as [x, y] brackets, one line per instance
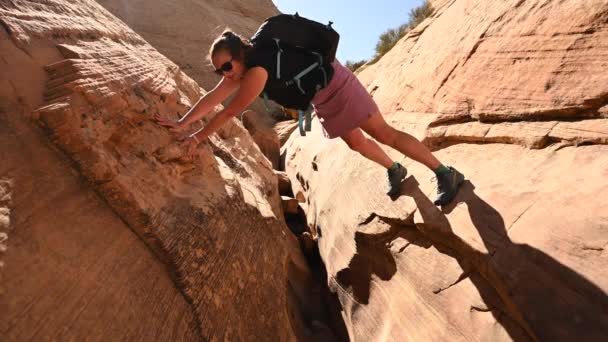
[359, 22]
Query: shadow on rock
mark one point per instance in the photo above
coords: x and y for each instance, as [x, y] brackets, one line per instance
[536, 293]
[373, 257]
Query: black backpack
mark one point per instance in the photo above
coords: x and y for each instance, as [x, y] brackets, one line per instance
[302, 51]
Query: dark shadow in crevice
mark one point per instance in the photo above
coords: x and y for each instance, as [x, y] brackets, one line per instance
[297, 222]
[325, 324]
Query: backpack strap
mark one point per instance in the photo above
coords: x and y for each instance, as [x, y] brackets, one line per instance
[301, 74]
[308, 118]
[321, 67]
[279, 52]
[301, 122]
[266, 102]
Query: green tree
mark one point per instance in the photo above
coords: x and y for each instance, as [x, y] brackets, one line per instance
[390, 37]
[355, 65]
[418, 14]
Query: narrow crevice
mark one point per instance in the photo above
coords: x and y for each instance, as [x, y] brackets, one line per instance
[540, 142]
[436, 144]
[474, 49]
[592, 248]
[4, 26]
[567, 114]
[404, 247]
[451, 119]
[563, 115]
[589, 109]
[520, 216]
[330, 318]
[407, 222]
[462, 277]
[318, 308]
[445, 79]
[480, 309]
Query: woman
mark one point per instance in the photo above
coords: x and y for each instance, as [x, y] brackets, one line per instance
[344, 107]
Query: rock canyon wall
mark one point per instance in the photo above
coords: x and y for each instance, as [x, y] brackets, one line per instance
[107, 232]
[514, 94]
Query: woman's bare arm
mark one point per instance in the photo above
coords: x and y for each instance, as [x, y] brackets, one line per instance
[251, 86]
[204, 105]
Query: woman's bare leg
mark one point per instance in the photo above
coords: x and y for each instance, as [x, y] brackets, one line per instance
[366, 147]
[448, 178]
[411, 147]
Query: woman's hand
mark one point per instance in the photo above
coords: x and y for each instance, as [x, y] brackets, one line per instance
[174, 125]
[190, 145]
[182, 134]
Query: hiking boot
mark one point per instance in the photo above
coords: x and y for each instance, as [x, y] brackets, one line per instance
[396, 174]
[447, 186]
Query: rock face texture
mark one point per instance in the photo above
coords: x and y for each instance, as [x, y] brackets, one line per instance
[70, 190]
[514, 95]
[261, 127]
[183, 30]
[511, 61]
[71, 269]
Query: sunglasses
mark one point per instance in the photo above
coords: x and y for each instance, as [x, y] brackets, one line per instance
[224, 68]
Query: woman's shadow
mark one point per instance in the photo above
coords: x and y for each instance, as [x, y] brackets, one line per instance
[532, 295]
[548, 300]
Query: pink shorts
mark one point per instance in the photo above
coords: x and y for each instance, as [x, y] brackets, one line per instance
[344, 104]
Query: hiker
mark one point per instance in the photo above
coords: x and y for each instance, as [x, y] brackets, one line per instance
[265, 67]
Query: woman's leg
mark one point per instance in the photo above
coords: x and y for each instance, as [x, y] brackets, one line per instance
[448, 178]
[401, 141]
[371, 150]
[366, 147]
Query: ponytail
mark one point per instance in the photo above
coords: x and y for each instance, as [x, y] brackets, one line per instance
[229, 41]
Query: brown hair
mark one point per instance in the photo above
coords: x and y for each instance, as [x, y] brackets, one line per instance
[231, 42]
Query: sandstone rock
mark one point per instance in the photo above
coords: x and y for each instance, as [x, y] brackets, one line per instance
[301, 197]
[168, 26]
[284, 183]
[502, 264]
[284, 129]
[521, 61]
[260, 126]
[72, 268]
[588, 131]
[437, 4]
[513, 94]
[213, 223]
[290, 205]
[529, 134]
